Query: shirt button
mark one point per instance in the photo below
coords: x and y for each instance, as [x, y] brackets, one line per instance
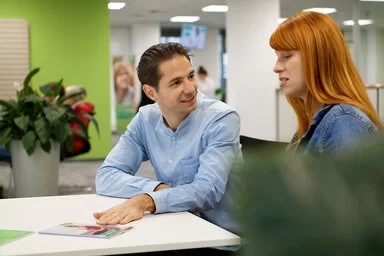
[173, 138]
[170, 161]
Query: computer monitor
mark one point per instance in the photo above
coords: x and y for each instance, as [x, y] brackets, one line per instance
[193, 36]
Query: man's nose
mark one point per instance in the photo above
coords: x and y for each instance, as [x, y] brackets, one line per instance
[190, 86]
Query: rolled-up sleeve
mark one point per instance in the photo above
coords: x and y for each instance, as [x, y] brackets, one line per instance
[116, 177]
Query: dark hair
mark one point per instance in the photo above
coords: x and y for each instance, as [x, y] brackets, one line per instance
[53, 85]
[148, 68]
[202, 71]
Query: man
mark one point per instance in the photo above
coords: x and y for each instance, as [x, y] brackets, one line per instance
[206, 84]
[192, 142]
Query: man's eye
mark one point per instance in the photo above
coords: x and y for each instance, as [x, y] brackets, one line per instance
[192, 76]
[176, 83]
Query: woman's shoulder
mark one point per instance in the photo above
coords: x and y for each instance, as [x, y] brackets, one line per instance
[346, 110]
[345, 115]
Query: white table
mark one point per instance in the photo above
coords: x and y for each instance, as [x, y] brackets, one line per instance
[172, 231]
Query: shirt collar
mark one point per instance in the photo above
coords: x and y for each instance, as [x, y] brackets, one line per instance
[323, 111]
[185, 122]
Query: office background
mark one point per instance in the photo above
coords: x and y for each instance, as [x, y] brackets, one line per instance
[76, 40]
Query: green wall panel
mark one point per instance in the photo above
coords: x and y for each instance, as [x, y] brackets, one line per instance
[69, 39]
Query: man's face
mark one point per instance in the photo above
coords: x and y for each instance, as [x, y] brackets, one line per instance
[177, 91]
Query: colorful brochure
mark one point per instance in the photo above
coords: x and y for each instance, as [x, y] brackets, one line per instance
[86, 230]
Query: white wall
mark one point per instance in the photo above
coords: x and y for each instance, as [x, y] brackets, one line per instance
[142, 37]
[209, 58]
[120, 42]
[380, 55]
[251, 81]
[363, 53]
[371, 56]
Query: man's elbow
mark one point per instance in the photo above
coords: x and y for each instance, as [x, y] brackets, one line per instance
[211, 199]
[101, 182]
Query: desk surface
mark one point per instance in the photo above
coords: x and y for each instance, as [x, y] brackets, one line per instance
[170, 231]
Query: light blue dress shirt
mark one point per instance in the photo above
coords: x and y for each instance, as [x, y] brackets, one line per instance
[197, 161]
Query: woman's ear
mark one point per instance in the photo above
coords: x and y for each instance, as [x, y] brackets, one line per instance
[150, 91]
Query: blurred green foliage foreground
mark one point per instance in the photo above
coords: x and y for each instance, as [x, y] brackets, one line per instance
[304, 205]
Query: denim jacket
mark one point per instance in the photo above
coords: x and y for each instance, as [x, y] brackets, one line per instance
[336, 128]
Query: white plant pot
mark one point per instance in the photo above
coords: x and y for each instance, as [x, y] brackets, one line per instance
[35, 175]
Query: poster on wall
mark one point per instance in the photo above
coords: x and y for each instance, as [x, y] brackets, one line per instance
[125, 90]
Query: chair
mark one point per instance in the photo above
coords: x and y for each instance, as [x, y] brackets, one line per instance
[252, 146]
[5, 156]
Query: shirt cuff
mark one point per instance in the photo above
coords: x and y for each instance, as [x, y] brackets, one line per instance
[159, 197]
[150, 187]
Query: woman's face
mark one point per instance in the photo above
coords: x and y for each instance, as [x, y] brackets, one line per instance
[289, 66]
[122, 78]
[201, 76]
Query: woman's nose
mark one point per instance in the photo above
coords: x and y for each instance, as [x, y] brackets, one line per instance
[278, 67]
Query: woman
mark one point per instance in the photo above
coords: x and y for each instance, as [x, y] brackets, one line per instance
[206, 84]
[124, 84]
[322, 84]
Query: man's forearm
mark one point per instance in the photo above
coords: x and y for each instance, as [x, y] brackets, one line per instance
[112, 182]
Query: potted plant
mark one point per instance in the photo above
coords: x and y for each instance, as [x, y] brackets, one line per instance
[34, 130]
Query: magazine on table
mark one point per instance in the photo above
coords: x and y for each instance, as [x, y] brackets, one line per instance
[86, 230]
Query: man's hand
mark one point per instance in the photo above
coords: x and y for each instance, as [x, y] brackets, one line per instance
[130, 210]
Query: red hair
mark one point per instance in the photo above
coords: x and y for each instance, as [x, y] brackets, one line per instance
[330, 74]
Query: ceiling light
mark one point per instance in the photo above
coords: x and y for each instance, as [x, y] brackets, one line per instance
[361, 22]
[372, 0]
[215, 8]
[281, 20]
[185, 19]
[115, 5]
[321, 10]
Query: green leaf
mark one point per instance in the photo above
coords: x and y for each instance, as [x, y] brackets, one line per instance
[80, 133]
[5, 134]
[54, 112]
[29, 77]
[5, 104]
[33, 98]
[62, 131]
[46, 146]
[68, 144]
[26, 91]
[93, 120]
[22, 122]
[29, 142]
[8, 145]
[66, 97]
[43, 129]
[57, 88]
[46, 90]
[81, 124]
